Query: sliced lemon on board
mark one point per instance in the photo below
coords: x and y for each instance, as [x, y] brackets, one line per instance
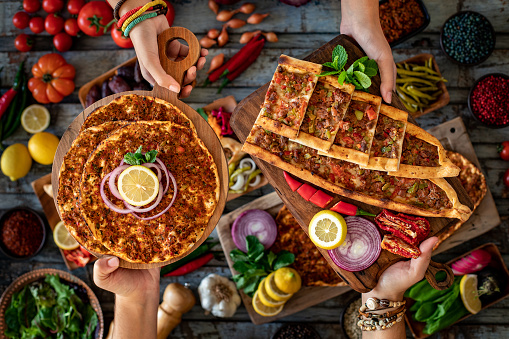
[35, 118]
[327, 229]
[63, 238]
[264, 310]
[265, 297]
[469, 295]
[273, 291]
[287, 280]
[138, 185]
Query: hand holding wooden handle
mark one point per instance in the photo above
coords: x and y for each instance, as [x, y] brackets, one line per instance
[432, 271]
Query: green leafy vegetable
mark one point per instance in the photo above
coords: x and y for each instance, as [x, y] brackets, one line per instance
[256, 264]
[138, 158]
[358, 74]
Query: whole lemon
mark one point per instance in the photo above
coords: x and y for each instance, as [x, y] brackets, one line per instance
[16, 161]
[287, 280]
[42, 147]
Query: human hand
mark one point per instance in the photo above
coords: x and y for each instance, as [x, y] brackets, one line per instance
[360, 20]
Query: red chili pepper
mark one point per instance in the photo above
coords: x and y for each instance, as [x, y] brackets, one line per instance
[349, 209]
[191, 266]
[8, 96]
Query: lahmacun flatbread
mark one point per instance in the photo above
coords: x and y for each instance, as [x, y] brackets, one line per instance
[288, 95]
[357, 129]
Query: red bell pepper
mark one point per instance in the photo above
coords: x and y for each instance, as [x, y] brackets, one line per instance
[349, 209]
[293, 183]
[321, 199]
[191, 266]
[306, 191]
[371, 113]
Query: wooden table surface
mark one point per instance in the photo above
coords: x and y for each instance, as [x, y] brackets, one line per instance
[300, 30]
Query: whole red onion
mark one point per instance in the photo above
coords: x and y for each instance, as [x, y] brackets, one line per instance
[295, 3]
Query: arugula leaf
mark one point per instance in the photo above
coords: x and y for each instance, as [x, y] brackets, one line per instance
[90, 322]
[363, 79]
[284, 258]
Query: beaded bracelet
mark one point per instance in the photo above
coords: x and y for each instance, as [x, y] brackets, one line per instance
[134, 10]
[374, 304]
[380, 324]
[381, 315]
[139, 12]
[117, 9]
[143, 18]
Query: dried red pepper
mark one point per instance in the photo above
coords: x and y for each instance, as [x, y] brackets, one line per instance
[409, 228]
[349, 209]
[398, 246]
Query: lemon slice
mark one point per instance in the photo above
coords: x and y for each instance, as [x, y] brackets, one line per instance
[287, 280]
[63, 238]
[264, 310]
[468, 292]
[138, 185]
[35, 118]
[265, 297]
[273, 291]
[327, 229]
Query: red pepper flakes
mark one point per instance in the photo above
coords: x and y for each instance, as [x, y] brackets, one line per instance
[22, 233]
[490, 102]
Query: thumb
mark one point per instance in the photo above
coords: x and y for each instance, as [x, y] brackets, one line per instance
[388, 76]
[103, 269]
[420, 265]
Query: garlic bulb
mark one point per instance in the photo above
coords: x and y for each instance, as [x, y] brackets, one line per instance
[218, 295]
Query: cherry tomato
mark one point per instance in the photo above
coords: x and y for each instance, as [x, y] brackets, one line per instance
[71, 27]
[94, 17]
[31, 6]
[52, 6]
[74, 6]
[62, 42]
[54, 24]
[170, 15]
[36, 24]
[503, 149]
[120, 39]
[506, 178]
[23, 43]
[20, 20]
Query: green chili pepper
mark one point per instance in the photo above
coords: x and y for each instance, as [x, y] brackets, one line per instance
[412, 189]
[425, 69]
[251, 177]
[359, 114]
[327, 132]
[231, 168]
[404, 97]
[406, 80]
[410, 108]
[418, 93]
[205, 247]
[386, 186]
[202, 112]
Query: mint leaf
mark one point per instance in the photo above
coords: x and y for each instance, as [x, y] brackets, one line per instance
[349, 71]
[353, 81]
[363, 79]
[371, 64]
[329, 64]
[150, 156]
[328, 73]
[370, 72]
[361, 67]
[335, 62]
[340, 53]
[359, 61]
[137, 158]
[341, 78]
[130, 159]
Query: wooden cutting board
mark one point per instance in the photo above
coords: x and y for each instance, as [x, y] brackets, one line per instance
[242, 121]
[306, 297]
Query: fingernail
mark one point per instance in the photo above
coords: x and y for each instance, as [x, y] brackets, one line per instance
[174, 88]
[112, 262]
[390, 97]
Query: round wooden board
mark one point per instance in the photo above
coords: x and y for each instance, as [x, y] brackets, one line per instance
[203, 129]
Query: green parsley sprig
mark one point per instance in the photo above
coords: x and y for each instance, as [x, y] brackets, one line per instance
[138, 158]
[358, 74]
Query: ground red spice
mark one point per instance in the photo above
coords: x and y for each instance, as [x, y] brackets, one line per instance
[399, 18]
[490, 102]
[22, 233]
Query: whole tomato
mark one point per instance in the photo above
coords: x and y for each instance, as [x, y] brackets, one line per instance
[62, 42]
[120, 39]
[94, 17]
[31, 6]
[53, 79]
[506, 178]
[52, 6]
[503, 149]
[74, 6]
[20, 20]
[54, 24]
[71, 27]
[36, 24]
[23, 43]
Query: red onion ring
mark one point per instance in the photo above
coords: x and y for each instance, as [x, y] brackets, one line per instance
[107, 201]
[167, 173]
[113, 176]
[151, 207]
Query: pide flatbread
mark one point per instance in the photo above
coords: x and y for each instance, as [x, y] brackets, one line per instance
[178, 229]
[133, 107]
[326, 108]
[388, 140]
[433, 198]
[288, 95]
[355, 134]
[423, 156]
[69, 178]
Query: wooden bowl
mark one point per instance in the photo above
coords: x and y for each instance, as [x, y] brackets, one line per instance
[32, 276]
[443, 99]
[497, 262]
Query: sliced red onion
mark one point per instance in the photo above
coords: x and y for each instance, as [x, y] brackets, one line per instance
[150, 166]
[475, 261]
[151, 207]
[113, 176]
[107, 201]
[256, 181]
[254, 222]
[361, 247]
[168, 174]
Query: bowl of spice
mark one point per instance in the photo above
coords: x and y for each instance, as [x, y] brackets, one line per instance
[22, 233]
[294, 331]
[402, 19]
[350, 317]
[488, 101]
[467, 38]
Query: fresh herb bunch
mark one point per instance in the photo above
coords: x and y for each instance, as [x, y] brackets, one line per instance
[256, 264]
[49, 309]
[138, 158]
[358, 74]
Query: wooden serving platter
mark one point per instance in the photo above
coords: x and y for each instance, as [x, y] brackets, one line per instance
[205, 133]
[306, 297]
[363, 281]
[48, 206]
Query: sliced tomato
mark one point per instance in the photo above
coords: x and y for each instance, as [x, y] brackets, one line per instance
[293, 183]
[320, 199]
[306, 191]
[79, 256]
[371, 113]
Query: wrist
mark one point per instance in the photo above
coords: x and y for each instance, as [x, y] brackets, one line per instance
[389, 295]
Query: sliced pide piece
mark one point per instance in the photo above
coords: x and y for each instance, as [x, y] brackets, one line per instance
[388, 140]
[288, 95]
[432, 198]
[423, 156]
[356, 130]
[326, 109]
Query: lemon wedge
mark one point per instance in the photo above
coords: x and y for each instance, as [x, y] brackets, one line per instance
[468, 292]
[264, 310]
